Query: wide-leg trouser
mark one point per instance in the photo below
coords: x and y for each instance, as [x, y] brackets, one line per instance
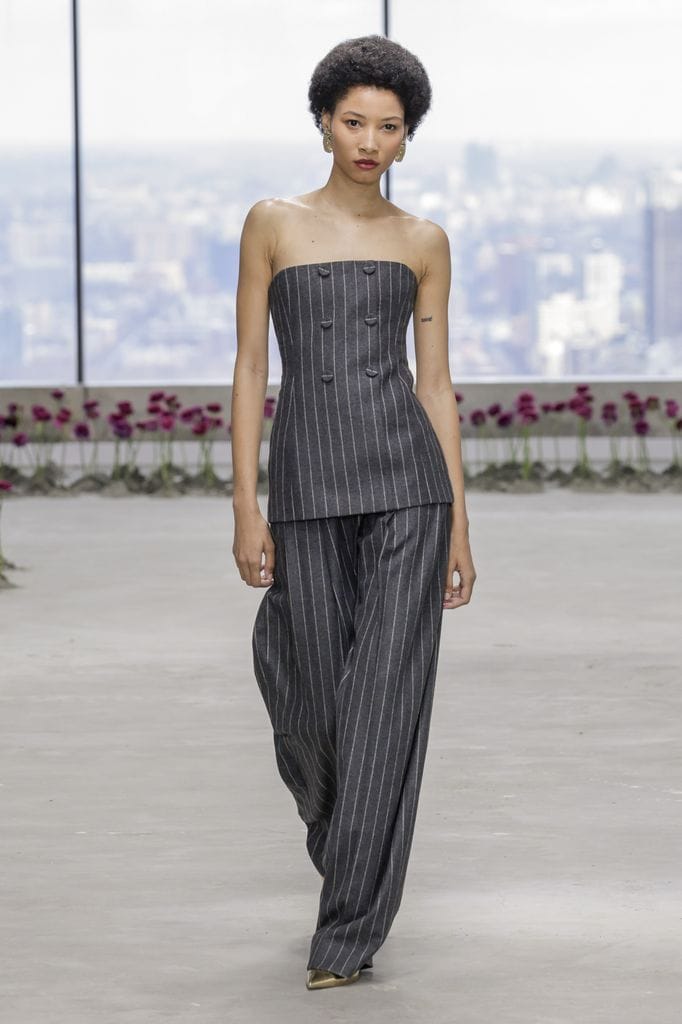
[345, 646]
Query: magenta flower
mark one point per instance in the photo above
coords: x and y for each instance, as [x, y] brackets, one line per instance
[214, 407]
[269, 408]
[505, 419]
[154, 408]
[6, 485]
[19, 440]
[637, 409]
[559, 406]
[641, 427]
[200, 427]
[63, 416]
[609, 412]
[671, 408]
[630, 396]
[81, 430]
[41, 414]
[167, 420]
[495, 409]
[57, 394]
[125, 408]
[459, 397]
[582, 389]
[122, 429]
[652, 402]
[585, 412]
[156, 396]
[477, 417]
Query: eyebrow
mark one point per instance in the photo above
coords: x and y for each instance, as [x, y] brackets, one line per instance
[391, 117]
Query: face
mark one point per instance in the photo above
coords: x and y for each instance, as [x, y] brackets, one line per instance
[368, 124]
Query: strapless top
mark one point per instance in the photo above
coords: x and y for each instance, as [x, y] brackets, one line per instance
[349, 434]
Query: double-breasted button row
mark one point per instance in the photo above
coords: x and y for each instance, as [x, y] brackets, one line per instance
[371, 320]
[371, 371]
[368, 268]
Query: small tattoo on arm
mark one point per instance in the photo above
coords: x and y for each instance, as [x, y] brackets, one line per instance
[425, 318]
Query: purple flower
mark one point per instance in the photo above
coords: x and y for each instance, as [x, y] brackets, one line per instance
[495, 409]
[81, 430]
[40, 413]
[637, 409]
[671, 408]
[505, 419]
[546, 406]
[609, 412]
[125, 408]
[559, 406]
[477, 417]
[200, 427]
[214, 407]
[652, 402]
[641, 427]
[582, 389]
[269, 407]
[122, 428]
[6, 485]
[63, 416]
[156, 396]
[459, 397]
[20, 440]
[167, 420]
[630, 396]
[57, 394]
[585, 412]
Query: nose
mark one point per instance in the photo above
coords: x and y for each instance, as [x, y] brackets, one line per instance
[368, 144]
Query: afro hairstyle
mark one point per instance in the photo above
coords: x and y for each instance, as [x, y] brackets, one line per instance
[370, 60]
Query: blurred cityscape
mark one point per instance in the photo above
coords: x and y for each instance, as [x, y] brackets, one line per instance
[564, 263]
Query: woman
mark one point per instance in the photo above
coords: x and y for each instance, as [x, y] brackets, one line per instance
[366, 522]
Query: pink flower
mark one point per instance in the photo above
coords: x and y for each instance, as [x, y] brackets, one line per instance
[477, 417]
[495, 409]
[167, 420]
[671, 408]
[20, 440]
[459, 397]
[40, 413]
[609, 412]
[641, 427]
[156, 396]
[6, 485]
[125, 408]
[57, 394]
[81, 430]
[214, 407]
[505, 419]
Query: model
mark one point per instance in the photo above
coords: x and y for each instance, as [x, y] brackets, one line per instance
[366, 521]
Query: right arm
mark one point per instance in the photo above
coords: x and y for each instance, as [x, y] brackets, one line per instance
[252, 538]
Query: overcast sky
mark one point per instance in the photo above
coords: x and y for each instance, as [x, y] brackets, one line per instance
[217, 70]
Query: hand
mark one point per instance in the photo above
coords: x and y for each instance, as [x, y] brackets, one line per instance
[460, 562]
[252, 540]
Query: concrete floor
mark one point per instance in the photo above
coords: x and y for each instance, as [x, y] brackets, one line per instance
[154, 868]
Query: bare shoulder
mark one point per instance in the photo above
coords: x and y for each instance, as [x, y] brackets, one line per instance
[428, 241]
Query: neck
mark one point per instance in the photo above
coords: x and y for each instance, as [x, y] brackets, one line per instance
[352, 197]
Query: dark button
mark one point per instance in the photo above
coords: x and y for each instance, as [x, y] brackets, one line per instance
[369, 268]
[323, 271]
[370, 371]
[326, 323]
[326, 377]
[371, 320]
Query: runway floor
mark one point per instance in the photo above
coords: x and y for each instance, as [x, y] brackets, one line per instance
[154, 868]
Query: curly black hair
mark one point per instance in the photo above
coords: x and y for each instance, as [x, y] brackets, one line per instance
[370, 60]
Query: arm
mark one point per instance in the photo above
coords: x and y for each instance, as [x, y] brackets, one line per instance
[435, 392]
[252, 536]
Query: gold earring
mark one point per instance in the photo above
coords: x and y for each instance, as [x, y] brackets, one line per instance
[401, 151]
[327, 140]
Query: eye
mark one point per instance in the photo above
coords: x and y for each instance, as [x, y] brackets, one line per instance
[352, 120]
[393, 127]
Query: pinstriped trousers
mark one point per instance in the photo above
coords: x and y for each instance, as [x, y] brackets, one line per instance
[345, 647]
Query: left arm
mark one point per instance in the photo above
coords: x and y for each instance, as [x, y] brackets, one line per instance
[435, 392]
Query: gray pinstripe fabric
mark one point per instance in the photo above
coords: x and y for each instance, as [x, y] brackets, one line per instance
[345, 646]
[349, 434]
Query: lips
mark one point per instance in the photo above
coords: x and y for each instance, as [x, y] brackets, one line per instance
[366, 163]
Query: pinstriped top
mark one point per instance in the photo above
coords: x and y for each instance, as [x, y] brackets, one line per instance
[349, 434]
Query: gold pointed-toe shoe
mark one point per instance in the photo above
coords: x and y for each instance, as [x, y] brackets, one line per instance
[327, 979]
